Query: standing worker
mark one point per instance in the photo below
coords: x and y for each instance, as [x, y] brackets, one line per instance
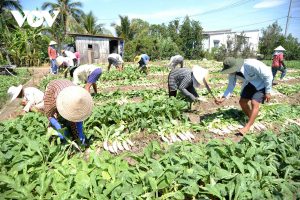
[257, 85]
[142, 60]
[278, 63]
[88, 74]
[176, 60]
[116, 60]
[52, 56]
[67, 106]
[33, 98]
[186, 80]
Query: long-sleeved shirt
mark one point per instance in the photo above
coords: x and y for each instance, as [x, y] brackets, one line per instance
[255, 72]
[182, 79]
[277, 59]
[32, 96]
[82, 73]
[52, 91]
[70, 54]
[116, 57]
[52, 53]
[146, 58]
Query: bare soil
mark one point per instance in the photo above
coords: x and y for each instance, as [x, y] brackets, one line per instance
[13, 109]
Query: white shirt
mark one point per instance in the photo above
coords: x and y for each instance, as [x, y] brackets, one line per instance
[116, 56]
[82, 73]
[68, 61]
[255, 72]
[32, 96]
[70, 54]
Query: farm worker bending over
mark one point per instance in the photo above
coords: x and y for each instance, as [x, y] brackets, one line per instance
[88, 74]
[67, 106]
[186, 80]
[70, 55]
[176, 60]
[116, 60]
[33, 98]
[52, 56]
[257, 85]
[66, 62]
[278, 63]
[142, 60]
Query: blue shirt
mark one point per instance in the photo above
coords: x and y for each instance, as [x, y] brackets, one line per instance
[146, 58]
[255, 72]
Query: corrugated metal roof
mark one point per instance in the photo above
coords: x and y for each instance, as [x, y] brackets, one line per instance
[96, 36]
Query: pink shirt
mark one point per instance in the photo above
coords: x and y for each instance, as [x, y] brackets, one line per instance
[77, 54]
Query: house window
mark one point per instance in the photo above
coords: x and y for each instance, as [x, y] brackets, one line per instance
[216, 43]
[90, 46]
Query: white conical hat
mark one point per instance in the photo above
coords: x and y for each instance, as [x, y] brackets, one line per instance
[14, 92]
[279, 48]
[74, 103]
[52, 43]
[200, 74]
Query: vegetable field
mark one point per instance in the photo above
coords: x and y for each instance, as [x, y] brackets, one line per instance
[145, 145]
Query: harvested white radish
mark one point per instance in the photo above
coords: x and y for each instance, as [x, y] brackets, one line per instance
[261, 126]
[187, 136]
[165, 139]
[182, 136]
[115, 146]
[190, 135]
[129, 142]
[215, 131]
[232, 128]
[257, 127]
[226, 130]
[174, 138]
[125, 145]
[120, 147]
[105, 145]
[111, 149]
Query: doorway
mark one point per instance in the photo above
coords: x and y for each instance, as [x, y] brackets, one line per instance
[113, 46]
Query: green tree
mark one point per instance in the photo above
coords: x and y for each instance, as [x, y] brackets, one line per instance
[271, 37]
[67, 9]
[90, 24]
[124, 29]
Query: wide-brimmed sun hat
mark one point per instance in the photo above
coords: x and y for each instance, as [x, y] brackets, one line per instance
[279, 48]
[200, 73]
[137, 59]
[52, 43]
[74, 103]
[14, 92]
[231, 65]
[59, 60]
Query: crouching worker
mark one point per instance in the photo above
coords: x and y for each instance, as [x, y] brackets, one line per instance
[33, 98]
[88, 74]
[186, 80]
[142, 60]
[257, 85]
[66, 62]
[67, 106]
[115, 60]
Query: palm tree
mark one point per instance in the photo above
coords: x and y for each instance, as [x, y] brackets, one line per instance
[90, 24]
[66, 9]
[9, 4]
[124, 30]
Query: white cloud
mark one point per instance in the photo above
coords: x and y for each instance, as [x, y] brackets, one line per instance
[165, 15]
[269, 3]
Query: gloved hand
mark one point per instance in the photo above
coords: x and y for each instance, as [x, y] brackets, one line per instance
[79, 127]
[54, 123]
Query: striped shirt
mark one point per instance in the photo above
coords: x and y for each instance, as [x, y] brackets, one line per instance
[52, 91]
[181, 79]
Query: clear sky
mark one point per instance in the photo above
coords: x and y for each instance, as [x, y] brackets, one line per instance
[236, 15]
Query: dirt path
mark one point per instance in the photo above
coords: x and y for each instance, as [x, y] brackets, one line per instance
[13, 109]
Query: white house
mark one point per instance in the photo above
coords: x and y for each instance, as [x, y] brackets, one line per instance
[217, 38]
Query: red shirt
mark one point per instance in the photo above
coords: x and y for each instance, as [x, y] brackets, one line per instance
[277, 60]
[52, 53]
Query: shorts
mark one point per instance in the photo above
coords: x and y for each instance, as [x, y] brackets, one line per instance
[94, 76]
[250, 92]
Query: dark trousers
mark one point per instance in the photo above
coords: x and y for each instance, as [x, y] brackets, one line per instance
[282, 69]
